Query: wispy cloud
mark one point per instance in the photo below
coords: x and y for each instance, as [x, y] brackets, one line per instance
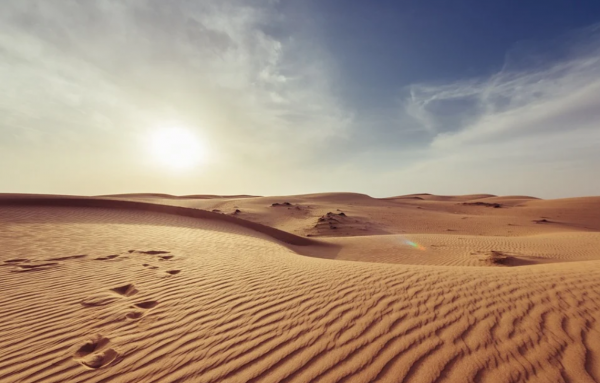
[553, 96]
[540, 112]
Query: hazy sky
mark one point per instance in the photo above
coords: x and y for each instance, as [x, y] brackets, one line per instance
[290, 97]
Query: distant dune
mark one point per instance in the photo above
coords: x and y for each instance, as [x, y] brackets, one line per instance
[169, 196]
[329, 287]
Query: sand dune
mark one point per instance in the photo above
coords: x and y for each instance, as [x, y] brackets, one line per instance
[157, 289]
[170, 196]
[371, 216]
[149, 207]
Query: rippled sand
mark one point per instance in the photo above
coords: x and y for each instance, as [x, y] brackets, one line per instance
[402, 289]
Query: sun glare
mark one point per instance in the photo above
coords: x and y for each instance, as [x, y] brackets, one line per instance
[177, 148]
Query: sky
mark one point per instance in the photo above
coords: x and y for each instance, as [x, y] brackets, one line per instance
[302, 96]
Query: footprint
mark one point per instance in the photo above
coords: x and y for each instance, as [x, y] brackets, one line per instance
[93, 354]
[149, 252]
[67, 257]
[107, 257]
[173, 272]
[96, 343]
[103, 299]
[125, 290]
[134, 315]
[99, 360]
[35, 267]
[166, 257]
[137, 314]
[146, 305]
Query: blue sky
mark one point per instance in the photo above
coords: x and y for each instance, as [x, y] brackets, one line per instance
[385, 45]
[289, 97]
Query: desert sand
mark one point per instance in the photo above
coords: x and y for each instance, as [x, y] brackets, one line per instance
[333, 287]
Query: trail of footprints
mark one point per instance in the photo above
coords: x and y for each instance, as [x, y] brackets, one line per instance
[21, 265]
[95, 353]
[161, 256]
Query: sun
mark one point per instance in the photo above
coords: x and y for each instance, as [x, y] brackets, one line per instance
[177, 148]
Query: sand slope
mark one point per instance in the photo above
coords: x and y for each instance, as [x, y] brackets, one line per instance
[429, 214]
[104, 291]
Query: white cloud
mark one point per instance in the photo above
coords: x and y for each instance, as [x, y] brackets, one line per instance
[105, 71]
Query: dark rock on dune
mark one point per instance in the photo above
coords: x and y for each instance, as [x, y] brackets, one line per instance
[281, 204]
[486, 204]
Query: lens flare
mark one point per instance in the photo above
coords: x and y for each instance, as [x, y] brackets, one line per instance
[414, 244]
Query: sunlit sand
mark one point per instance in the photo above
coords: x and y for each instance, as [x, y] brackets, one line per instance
[324, 287]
